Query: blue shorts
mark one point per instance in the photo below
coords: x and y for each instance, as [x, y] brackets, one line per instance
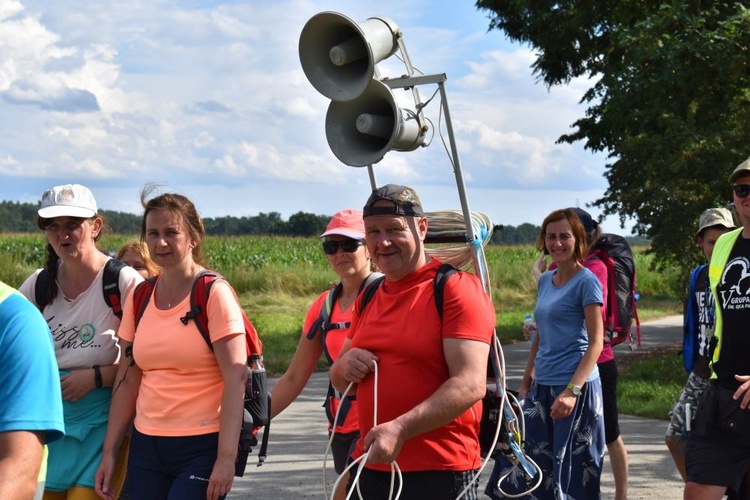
[171, 467]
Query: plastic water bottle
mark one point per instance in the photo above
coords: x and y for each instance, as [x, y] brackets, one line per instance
[529, 320]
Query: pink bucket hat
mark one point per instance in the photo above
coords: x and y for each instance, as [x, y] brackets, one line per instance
[346, 223]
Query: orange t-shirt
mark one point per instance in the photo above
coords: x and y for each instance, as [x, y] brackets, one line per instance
[334, 341]
[402, 327]
[181, 389]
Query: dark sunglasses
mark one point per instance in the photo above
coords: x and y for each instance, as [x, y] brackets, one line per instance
[348, 245]
[741, 190]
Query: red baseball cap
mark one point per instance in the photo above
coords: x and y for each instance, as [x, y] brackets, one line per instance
[346, 223]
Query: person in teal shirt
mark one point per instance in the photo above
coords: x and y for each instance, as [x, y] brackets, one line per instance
[30, 402]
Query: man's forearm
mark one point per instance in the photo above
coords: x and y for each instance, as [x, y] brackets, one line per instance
[454, 397]
[20, 460]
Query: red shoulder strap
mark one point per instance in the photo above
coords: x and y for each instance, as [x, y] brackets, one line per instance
[141, 296]
[199, 312]
[198, 303]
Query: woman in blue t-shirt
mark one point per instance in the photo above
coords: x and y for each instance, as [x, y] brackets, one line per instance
[561, 388]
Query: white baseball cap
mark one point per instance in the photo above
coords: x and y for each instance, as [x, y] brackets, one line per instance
[68, 200]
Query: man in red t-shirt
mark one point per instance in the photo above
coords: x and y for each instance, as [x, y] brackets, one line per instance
[430, 371]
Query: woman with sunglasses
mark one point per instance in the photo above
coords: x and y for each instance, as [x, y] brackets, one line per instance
[343, 244]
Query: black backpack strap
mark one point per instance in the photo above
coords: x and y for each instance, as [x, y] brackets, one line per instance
[263, 452]
[444, 272]
[323, 323]
[345, 404]
[40, 289]
[369, 292]
[111, 285]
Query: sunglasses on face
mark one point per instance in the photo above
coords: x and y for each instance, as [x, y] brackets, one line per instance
[741, 190]
[348, 245]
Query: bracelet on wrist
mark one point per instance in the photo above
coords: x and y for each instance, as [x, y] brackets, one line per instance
[97, 377]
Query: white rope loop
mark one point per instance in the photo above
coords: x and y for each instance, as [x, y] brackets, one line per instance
[362, 460]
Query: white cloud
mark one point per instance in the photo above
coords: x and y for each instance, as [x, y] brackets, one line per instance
[212, 94]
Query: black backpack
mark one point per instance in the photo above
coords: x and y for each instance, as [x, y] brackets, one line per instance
[617, 256]
[110, 287]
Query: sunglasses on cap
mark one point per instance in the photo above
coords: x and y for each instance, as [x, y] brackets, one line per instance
[741, 190]
[348, 245]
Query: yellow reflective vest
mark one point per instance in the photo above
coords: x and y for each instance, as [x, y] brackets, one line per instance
[719, 258]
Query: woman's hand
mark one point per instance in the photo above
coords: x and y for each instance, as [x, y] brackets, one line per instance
[563, 405]
[539, 267]
[523, 389]
[221, 478]
[104, 476]
[76, 384]
[528, 329]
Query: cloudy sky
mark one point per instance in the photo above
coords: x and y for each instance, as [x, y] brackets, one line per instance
[208, 98]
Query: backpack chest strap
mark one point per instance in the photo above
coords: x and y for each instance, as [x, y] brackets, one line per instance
[328, 326]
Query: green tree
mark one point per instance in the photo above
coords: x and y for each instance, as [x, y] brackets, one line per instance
[668, 102]
[306, 224]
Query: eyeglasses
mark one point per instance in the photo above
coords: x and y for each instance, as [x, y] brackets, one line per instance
[348, 245]
[741, 190]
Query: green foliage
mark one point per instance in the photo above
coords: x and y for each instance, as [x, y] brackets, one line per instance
[21, 218]
[24, 249]
[278, 277]
[525, 234]
[18, 217]
[671, 86]
[650, 384]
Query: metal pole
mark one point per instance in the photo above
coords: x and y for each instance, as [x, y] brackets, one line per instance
[373, 181]
[439, 79]
[460, 184]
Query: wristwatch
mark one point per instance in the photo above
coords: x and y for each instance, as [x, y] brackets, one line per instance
[575, 390]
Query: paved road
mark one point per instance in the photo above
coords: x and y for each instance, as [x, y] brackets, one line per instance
[294, 468]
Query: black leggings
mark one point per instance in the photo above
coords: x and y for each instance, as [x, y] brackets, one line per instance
[172, 468]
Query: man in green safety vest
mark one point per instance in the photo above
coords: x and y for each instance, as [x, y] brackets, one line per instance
[718, 450]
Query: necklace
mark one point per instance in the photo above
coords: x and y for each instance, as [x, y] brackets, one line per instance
[174, 299]
[181, 292]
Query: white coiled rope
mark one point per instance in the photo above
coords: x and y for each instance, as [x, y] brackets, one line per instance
[362, 460]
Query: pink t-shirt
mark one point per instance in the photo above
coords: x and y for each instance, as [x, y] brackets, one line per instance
[181, 389]
[596, 266]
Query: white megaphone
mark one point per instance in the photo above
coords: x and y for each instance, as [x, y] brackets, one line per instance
[361, 131]
[339, 56]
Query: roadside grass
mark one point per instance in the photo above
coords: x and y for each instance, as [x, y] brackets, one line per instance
[650, 382]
